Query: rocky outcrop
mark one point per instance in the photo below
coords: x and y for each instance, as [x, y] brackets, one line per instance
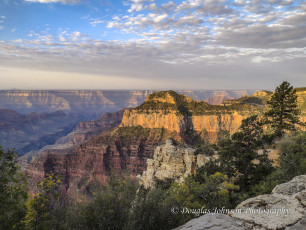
[213, 222]
[171, 162]
[284, 208]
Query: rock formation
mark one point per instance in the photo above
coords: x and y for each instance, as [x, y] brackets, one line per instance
[213, 222]
[171, 162]
[290, 197]
[180, 113]
[117, 150]
[284, 208]
[26, 101]
[217, 100]
[82, 132]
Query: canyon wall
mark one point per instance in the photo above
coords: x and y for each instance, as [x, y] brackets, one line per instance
[179, 123]
[84, 164]
[25, 101]
[26, 132]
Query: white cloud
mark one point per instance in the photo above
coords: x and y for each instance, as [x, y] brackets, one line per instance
[152, 6]
[94, 22]
[159, 18]
[76, 34]
[18, 41]
[138, 5]
[55, 1]
[61, 38]
[2, 17]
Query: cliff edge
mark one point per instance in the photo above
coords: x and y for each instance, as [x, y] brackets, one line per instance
[283, 209]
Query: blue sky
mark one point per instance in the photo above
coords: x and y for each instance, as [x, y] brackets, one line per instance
[152, 44]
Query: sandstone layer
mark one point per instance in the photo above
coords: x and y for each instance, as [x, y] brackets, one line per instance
[180, 113]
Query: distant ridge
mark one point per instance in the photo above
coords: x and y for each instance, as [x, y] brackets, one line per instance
[97, 101]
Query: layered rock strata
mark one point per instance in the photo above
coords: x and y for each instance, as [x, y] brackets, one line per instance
[171, 162]
[118, 150]
[25, 101]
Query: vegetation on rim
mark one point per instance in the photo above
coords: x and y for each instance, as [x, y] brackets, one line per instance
[186, 106]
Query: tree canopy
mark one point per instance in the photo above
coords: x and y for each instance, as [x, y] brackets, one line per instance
[283, 114]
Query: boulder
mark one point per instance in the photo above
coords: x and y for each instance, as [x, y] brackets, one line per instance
[284, 207]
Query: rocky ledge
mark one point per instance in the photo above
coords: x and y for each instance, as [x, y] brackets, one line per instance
[284, 208]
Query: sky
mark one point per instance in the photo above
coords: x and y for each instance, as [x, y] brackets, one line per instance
[152, 44]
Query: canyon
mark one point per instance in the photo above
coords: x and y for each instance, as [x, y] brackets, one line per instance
[125, 141]
[30, 119]
[27, 132]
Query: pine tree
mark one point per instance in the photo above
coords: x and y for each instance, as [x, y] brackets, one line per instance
[238, 156]
[283, 114]
[39, 207]
[13, 191]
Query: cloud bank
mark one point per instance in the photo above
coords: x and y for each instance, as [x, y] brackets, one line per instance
[199, 43]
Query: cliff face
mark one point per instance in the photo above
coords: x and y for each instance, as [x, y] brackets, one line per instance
[218, 99]
[180, 113]
[171, 162]
[301, 93]
[177, 122]
[82, 132]
[156, 119]
[116, 150]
